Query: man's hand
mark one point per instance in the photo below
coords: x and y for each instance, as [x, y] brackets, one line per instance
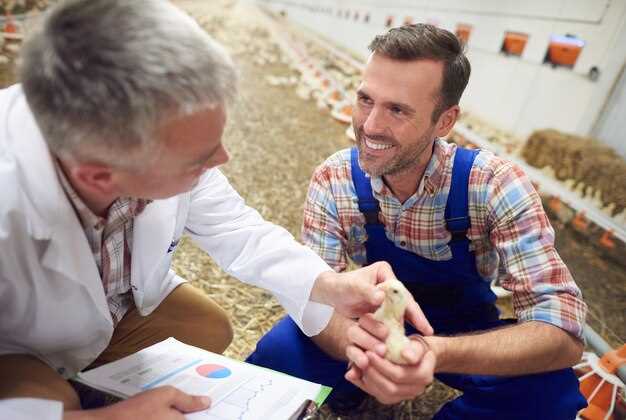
[163, 403]
[370, 335]
[391, 383]
[354, 293]
[388, 382]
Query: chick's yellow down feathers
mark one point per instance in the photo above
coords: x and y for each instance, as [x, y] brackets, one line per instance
[391, 313]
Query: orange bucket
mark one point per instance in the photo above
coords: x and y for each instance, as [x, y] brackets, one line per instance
[463, 32]
[564, 50]
[514, 43]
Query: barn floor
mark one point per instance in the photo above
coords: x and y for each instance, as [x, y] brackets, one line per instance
[275, 140]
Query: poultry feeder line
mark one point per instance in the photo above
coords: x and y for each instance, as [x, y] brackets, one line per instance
[601, 379]
[599, 385]
[600, 348]
[571, 200]
[297, 53]
[611, 228]
[550, 186]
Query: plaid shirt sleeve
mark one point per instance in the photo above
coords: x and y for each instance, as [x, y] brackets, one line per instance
[321, 228]
[543, 288]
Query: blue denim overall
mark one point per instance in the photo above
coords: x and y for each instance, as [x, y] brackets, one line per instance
[454, 298]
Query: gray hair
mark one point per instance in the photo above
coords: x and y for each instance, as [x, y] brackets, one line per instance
[100, 75]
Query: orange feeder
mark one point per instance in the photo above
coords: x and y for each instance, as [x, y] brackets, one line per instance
[9, 26]
[606, 240]
[580, 222]
[343, 114]
[463, 32]
[600, 384]
[335, 95]
[555, 204]
[564, 50]
[514, 43]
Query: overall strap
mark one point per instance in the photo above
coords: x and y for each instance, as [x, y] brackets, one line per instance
[368, 205]
[457, 214]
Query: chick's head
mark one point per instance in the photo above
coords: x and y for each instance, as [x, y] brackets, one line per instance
[395, 297]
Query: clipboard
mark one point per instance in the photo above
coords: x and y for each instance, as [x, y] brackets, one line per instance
[234, 385]
[305, 411]
[309, 407]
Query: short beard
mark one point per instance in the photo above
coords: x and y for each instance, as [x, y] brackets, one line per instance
[407, 160]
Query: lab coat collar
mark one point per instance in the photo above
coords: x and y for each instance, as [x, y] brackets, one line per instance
[51, 217]
[153, 231]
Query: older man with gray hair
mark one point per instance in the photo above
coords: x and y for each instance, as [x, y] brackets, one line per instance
[108, 155]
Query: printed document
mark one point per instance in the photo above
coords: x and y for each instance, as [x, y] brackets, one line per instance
[238, 390]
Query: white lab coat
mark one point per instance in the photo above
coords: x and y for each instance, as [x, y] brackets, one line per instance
[30, 409]
[52, 303]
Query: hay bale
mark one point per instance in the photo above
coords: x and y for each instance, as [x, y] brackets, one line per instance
[591, 165]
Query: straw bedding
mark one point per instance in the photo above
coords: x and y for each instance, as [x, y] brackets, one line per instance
[275, 140]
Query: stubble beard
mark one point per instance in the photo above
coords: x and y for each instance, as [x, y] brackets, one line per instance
[406, 158]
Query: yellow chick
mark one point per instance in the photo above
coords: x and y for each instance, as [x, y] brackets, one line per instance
[391, 313]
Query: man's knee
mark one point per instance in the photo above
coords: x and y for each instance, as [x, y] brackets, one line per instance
[195, 319]
[222, 333]
[210, 330]
[26, 376]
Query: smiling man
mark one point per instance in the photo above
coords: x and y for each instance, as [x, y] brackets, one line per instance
[449, 221]
[109, 151]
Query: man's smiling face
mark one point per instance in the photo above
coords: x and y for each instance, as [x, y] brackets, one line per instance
[392, 118]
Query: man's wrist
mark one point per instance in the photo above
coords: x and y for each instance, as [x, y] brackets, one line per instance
[323, 288]
[438, 346]
[84, 414]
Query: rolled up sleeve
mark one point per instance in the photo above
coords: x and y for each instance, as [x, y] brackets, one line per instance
[255, 251]
[543, 288]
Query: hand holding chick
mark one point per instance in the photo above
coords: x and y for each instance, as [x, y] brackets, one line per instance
[391, 313]
[407, 364]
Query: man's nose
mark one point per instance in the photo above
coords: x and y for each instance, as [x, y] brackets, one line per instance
[375, 122]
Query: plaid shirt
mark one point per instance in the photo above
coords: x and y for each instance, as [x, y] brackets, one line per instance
[510, 232]
[110, 240]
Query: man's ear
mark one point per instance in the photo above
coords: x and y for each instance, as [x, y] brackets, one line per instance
[95, 177]
[446, 121]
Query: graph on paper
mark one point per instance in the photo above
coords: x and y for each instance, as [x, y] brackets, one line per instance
[213, 371]
[238, 391]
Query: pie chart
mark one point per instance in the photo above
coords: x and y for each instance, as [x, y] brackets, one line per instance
[213, 371]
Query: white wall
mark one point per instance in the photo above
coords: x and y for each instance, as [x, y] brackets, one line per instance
[611, 127]
[520, 94]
